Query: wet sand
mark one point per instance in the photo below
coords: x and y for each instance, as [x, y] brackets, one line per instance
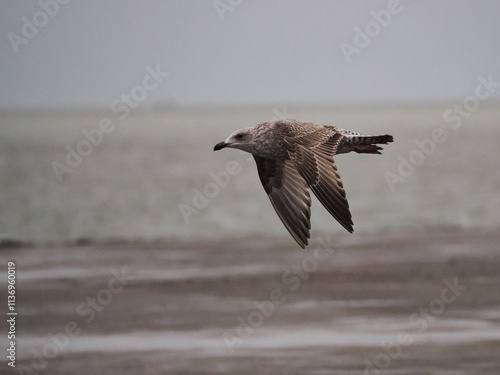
[387, 303]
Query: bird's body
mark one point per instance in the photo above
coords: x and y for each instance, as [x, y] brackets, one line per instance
[294, 156]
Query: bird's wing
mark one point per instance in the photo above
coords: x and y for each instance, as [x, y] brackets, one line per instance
[313, 158]
[289, 195]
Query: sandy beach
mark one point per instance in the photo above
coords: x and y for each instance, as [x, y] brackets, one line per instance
[387, 303]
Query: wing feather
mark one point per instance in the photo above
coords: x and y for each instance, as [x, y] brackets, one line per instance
[317, 167]
[289, 196]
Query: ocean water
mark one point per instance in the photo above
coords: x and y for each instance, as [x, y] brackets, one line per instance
[154, 174]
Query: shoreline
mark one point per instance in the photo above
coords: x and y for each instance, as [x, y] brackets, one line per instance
[282, 238]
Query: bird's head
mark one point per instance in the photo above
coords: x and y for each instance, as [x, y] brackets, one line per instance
[242, 139]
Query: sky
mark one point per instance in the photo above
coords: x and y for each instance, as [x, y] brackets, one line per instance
[82, 54]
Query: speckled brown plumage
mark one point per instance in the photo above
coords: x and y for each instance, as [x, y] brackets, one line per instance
[294, 156]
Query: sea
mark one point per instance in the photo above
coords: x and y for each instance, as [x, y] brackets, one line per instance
[73, 175]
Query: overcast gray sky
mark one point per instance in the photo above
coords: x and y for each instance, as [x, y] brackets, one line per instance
[88, 53]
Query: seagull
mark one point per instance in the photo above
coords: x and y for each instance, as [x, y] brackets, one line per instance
[294, 157]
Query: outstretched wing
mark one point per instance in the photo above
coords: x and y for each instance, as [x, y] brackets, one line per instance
[289, 195]
[313, 158]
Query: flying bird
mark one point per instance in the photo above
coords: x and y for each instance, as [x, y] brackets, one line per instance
[294, 157]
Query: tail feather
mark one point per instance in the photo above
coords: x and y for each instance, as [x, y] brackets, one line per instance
[367, 144]
[367, 149]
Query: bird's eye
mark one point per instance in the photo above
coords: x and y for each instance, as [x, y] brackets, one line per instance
[239, 136]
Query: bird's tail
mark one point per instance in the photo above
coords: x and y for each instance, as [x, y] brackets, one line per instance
[367, 144]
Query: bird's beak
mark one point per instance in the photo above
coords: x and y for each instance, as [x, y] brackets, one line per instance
[220, 146]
